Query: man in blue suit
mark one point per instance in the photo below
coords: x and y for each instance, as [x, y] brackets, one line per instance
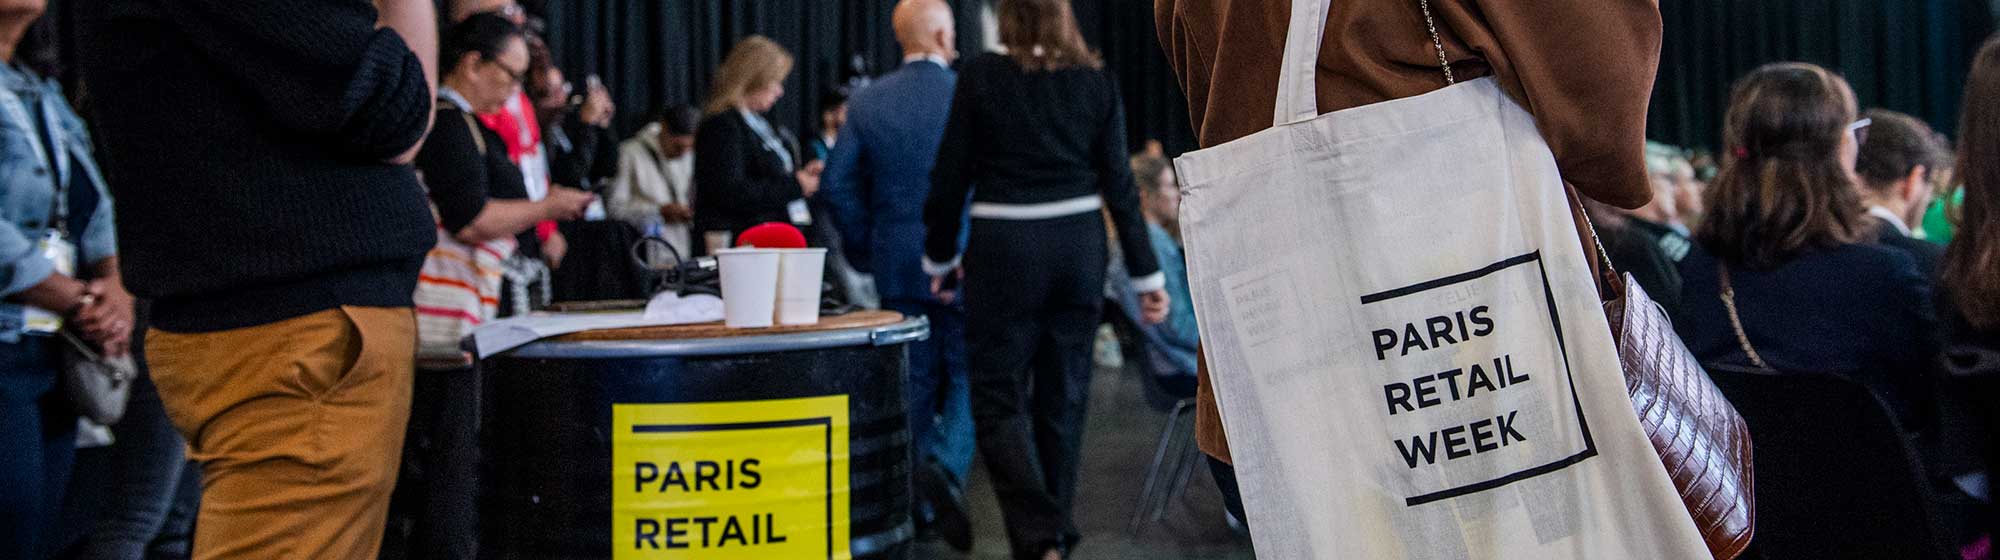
[876, 181]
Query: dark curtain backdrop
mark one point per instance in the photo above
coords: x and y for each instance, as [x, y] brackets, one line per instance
[1154, 107]
[652, 53]
[1904, 55]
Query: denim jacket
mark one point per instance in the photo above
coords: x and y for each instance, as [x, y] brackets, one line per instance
[27, 192]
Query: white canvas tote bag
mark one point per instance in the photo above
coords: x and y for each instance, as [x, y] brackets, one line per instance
[1405, 338]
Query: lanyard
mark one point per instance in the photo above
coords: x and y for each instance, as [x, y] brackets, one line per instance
[770, 138]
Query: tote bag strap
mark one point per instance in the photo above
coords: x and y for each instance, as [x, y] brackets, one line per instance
[1297, 89]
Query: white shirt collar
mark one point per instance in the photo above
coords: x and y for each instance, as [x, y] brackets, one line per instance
[452, 95]
[1889, 216]
[930, 57]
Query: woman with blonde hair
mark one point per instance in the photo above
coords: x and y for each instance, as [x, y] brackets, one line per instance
[744, 173]
[1041, 131]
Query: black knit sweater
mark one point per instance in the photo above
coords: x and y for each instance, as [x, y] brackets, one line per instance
[244, 143]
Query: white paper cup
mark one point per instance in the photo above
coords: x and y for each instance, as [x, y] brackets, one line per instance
[749, 286]
[799, 277]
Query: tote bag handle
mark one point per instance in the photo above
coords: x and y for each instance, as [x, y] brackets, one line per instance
[1297, 90]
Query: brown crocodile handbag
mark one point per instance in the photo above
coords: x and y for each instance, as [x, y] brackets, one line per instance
[1702, 441]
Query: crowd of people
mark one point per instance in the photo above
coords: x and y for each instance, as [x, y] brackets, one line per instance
[1815, 248]
[321, 151]
[319, 166]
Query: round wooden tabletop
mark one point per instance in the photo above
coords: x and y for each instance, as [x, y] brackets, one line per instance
[855, 320]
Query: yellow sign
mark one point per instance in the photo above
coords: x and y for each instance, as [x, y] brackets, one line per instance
[730, 480]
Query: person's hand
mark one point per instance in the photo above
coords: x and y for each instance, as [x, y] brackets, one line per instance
[566, 204]
[597, 106]
[554, 249]
[676, 213]
[938, 290]
[1153, 306]
[58, 294]
[107, 319]
[809, 177]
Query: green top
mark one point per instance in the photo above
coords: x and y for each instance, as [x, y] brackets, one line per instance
[1937, 225]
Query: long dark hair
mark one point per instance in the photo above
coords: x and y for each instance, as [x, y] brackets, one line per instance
[1782, 189]
[1042, 35]
[1972, 261]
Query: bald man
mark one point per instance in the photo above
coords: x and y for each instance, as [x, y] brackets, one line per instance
[876, 181]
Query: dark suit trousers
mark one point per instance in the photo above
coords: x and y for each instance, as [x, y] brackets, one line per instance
[1034, 290]
[938, 374]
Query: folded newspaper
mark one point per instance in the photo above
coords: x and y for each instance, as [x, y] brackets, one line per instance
[666, 309]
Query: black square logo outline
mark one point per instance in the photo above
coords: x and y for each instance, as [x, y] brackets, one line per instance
[825, 422]
[1562, 347]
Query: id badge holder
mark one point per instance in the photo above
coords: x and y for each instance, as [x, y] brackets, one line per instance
[63, 253]
[801, 215]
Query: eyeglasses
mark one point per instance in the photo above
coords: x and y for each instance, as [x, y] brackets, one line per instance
[518, 76]
[1860, 130]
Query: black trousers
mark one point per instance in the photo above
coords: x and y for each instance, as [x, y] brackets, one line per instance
[1033, 292]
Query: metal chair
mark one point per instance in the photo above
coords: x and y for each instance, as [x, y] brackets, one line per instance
[1176, 455]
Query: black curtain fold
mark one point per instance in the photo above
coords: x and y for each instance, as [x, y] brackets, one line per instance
[1904, 55]
[1155, 109]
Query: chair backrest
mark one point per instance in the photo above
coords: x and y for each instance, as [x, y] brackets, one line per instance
[1836, 476]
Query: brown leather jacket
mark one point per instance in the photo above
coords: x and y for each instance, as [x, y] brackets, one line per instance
[1584, 68]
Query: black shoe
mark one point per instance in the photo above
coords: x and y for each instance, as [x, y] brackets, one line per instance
[948, 518]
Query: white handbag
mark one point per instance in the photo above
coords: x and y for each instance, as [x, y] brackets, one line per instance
[1405, 338]
[98, 386]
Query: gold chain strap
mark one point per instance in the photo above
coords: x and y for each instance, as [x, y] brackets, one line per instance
[1603, 256]
[1431, 24]
[1736, 321]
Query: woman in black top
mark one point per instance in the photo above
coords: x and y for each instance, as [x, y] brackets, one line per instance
[744, 174]
[479, 193]
[1041, 134]
[480, 197]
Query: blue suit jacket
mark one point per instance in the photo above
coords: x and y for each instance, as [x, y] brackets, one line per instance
[880, 174]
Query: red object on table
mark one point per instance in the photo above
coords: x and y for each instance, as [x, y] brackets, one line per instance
[772, 235]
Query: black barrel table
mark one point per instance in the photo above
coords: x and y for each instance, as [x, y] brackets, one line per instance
[701, 442]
